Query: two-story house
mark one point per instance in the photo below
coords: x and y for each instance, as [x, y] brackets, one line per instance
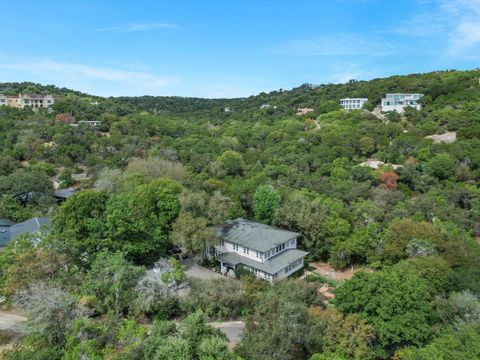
[398, 102]
[268, 252]
[353, 103]
[33, 101]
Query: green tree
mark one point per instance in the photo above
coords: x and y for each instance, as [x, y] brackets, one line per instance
[66, 178]
[217, 298]
[191, 339]
[110, 283]
[192, 233]
[464, 344]
[176, 276]
[50, 311]
[436, 272]
[23, 181]
[278, 334]
[139, 221]
[320, 219]
[367, 145]
[11, 209]
[8, 165]
[398, 311]
[442, 166]
[214, 348]
[85, 340]
[265, 202]
[230, 163]
[336, 335]
[459, 309]
[79, 226]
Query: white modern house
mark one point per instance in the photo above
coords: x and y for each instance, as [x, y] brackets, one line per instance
[91, 123]
[352, 103]
[398, 102]
[268, 252]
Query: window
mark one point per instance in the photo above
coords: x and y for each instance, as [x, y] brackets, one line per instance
[235, 247]
[222, 242]
[246, 250]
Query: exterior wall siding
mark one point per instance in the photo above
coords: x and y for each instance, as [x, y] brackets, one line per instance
[229, 247]
[282, 274]
[240, 250]
[290, 244]
[400, 108]
[22, 101]
[353, 104]
[254, 254]
[399, 102]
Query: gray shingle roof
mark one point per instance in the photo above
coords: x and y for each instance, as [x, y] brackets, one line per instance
[5, 231]
[6, 222]
[4, 235]
[29, 226]
[270, 266]
[65, 193]
[253, 235]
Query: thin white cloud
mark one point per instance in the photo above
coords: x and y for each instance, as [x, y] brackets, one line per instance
[73, 72]
[456, 21]
[464, 40]
[420, 25]
[467, 35]
[137, 27]
[342, 72]
[339, 45]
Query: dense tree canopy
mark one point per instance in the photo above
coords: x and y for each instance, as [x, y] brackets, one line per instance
[364, 189]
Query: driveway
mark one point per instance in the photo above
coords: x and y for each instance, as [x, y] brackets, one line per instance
[193, 270]
[12, 329]
[233, 329]
[12, 322]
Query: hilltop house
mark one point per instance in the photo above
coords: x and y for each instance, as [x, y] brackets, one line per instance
[352, 103]
[398, 102]
[91, 123]
[268, 252]
[304, 111]
[34, 101]
[9, 230]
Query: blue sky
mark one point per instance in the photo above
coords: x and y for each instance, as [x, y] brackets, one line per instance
[231, 48]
